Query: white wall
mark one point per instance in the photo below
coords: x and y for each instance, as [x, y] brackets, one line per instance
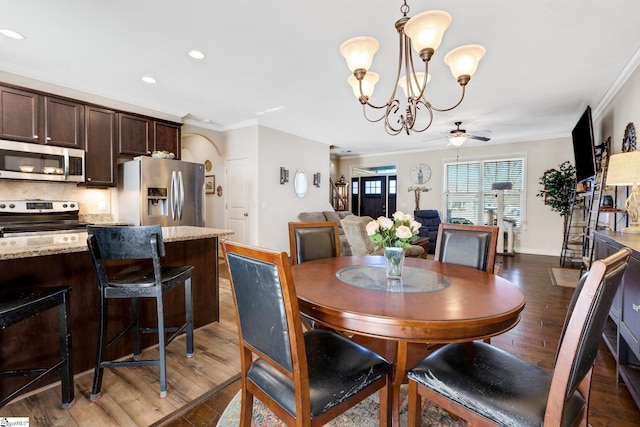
[542, 231]
[278, 204]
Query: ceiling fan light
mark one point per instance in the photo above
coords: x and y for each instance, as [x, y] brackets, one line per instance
[457, 140]
[464, 60]
[368, 83]
[416, 84]
[359, 52]
[426, 29]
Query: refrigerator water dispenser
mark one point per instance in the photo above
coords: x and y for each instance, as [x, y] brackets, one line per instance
[157, 202]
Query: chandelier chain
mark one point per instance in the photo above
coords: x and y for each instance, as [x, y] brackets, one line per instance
[404, 8]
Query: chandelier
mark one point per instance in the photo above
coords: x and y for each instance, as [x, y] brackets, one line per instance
[424, 33]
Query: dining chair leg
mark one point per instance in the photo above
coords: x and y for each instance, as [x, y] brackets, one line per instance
[101, 348]
[135, 313]
[414, 405]
[161, 345]
[189, 316]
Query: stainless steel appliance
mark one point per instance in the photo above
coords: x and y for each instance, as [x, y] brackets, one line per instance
[39, 162]
[161, 191]
[40, 218]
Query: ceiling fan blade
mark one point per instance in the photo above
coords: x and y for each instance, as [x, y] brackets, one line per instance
[479, 138]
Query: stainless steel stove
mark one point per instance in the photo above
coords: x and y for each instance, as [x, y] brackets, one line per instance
[39, 217]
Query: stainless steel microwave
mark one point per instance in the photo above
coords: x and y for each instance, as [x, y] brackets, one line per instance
[38, 162]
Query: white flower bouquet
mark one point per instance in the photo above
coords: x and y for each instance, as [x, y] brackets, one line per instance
[396, 232]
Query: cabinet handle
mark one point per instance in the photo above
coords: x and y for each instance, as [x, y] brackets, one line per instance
[48, 138]
[35, 136]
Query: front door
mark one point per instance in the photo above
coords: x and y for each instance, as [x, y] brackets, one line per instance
[373, 196]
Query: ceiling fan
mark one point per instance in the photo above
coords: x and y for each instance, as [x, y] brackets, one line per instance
[458, 136]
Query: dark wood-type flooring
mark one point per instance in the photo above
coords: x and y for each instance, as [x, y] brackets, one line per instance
[535, 339]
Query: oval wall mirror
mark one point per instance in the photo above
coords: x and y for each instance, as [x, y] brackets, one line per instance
[300, 183]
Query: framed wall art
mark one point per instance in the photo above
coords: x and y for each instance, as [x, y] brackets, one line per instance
[210, 184]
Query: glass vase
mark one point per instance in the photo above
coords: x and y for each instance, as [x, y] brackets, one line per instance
[393, 262]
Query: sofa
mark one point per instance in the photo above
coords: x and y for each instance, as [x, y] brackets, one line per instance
[331, 216]
[355, 229]
[430, 220]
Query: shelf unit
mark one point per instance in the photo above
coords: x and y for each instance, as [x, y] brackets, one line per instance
[573, 241]
[622, 329]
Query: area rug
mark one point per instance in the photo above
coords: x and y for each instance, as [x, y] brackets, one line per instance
[364, 414]
[564, 277]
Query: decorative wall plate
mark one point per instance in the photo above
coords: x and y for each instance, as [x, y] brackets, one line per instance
[629, 141]
[207, 165]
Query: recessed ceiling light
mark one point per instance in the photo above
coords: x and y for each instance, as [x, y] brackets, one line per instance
[11, 34]
[148, 79]
[196, 54]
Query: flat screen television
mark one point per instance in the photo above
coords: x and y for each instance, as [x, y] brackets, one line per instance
[584, 147]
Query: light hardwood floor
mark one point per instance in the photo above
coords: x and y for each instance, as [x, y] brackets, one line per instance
[130, 395]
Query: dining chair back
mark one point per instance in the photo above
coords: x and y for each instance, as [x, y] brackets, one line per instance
[143, 246]
[313, 240]
[304, 378]
[487, 386]
[469, 245]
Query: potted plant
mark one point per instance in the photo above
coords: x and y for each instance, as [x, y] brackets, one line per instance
[558, 186]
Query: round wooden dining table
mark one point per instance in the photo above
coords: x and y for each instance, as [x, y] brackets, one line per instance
[435, 303]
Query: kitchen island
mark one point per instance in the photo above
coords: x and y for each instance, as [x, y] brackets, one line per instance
[54, 260]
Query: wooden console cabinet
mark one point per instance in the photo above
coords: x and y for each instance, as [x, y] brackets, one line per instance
[622, 333]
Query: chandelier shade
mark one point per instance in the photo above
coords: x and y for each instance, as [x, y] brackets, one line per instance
[364, 87]
[426, 29]
[464, 60]
[417, 83]
[423, 34]
[359, 52]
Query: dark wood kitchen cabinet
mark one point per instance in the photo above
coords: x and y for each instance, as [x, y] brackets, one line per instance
[100, 146]
[167, 137]
[19, 114]
[63, 122]
[135, 135]
[43, 119]
[141, 135]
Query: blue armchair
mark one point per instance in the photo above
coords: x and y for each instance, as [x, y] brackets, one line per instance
[430, 220]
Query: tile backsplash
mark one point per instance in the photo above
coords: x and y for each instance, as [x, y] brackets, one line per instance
[92, 201]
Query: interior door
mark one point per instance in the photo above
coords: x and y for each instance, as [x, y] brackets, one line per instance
[373, 196]
[238, 200]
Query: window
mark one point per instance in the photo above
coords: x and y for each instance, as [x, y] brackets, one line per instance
[372, 187]
[392, 185]
[469, 195]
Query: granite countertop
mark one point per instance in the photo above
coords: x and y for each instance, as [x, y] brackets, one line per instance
[52, 244]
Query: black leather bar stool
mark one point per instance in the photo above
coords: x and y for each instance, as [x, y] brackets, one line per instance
[141, 281]
[17, 305]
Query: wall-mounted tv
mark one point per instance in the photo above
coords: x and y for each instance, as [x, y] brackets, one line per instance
[584, 147]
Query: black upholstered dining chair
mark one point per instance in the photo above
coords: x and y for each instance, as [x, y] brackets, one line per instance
[469, 245]
[489, 387]
[150, 279]
[304, 378]
[313, 240]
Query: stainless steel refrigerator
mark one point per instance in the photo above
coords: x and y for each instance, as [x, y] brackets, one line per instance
[161, 191]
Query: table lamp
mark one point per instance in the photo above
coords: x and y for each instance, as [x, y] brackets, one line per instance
[624, 170]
